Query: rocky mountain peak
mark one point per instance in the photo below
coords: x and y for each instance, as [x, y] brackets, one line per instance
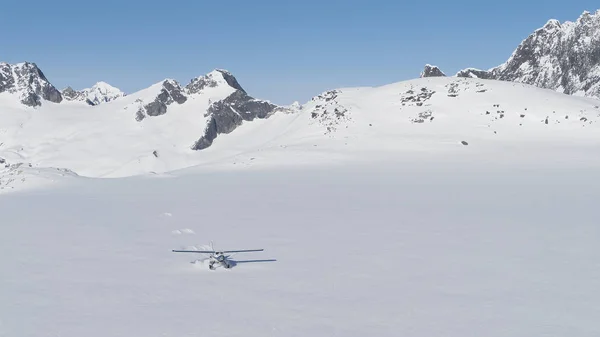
[563, 57]
[215, 78]
[29, 82]
[552, 24]
[230, 79]
[432, 71]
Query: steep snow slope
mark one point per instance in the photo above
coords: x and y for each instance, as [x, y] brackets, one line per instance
[429, 114]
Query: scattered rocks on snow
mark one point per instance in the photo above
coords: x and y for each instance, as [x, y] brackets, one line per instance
[423, 116]
[452, 89]
[329, 112]
[416, 99]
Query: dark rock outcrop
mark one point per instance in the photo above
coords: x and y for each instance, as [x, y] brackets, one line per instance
[70, 94]
[198, 84]
[432, 71]
[226, 115]
[171, 92]
[231, 80]
[475, 73]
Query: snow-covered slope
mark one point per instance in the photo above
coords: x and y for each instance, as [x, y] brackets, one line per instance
[158, 129]
[99, 93]
[562, 57]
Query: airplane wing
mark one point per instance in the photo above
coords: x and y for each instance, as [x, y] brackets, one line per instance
[251, 261]
[194, 251]
[243, 251]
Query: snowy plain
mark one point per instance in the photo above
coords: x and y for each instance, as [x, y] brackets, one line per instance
[417, 248]
[388, 227]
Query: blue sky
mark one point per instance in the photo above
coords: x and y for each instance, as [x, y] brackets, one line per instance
[278, 50]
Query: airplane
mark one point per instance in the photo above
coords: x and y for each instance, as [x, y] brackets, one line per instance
[218, 258]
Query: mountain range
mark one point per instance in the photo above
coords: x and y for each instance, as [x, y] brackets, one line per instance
[102, 132]
[559, 56]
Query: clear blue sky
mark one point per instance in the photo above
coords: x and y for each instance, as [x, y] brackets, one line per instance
[278, 50]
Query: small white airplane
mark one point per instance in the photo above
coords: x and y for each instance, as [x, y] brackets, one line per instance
[218, 258]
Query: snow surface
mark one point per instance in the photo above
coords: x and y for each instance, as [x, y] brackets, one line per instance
[381, 222]
[424, 245]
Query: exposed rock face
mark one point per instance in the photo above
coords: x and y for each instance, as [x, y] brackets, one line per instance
[432, 71]
[226, 115]
[198, 84]
[231, 81]
[171, 92]
[71, 95]
[562, 57]
[27, 80]
[475, 73]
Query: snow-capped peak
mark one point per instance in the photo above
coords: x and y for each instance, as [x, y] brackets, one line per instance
[103, 92]
[28, 81]
[100, 92]
[105, 87]
[552, 23]
[215, 78]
